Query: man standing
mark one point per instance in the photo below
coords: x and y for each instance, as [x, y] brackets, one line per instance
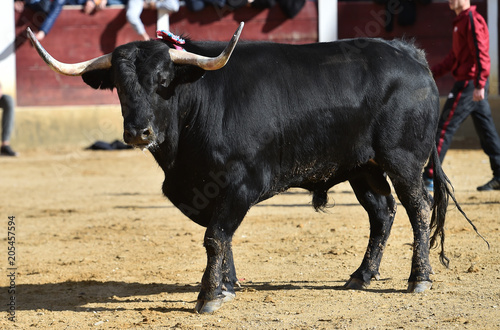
[7, 105]
[469, 63]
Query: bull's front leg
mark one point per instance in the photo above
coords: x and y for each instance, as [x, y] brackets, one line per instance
[219, 279]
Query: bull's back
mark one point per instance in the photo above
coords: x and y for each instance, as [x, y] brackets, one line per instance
[313, 110]
[330, 95]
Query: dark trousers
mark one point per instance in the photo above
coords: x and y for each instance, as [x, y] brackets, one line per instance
[457, 108]
[7, 105]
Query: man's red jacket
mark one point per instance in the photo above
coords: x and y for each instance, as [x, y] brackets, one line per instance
[469, 57]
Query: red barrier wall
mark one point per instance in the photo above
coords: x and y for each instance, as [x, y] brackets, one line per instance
[432, 30]
[77, 37]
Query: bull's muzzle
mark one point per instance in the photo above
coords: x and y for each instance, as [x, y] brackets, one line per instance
[139, 137]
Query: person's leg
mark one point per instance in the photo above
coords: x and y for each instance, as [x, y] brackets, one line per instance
[133, 13]
[7, 104]
[195, 5]
[54, 11]
[170, 5]
[455, 110]
[114, 2]
[489, 139]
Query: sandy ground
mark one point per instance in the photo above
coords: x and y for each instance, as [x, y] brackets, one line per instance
[98, 246]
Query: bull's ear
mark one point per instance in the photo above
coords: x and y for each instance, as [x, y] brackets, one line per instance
[187, 74]
[98, 79]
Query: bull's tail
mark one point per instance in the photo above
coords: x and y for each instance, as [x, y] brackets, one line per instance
[442, 191]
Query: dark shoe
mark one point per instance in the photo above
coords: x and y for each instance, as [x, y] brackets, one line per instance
[493, 184]
[428, 183]
[7, 151]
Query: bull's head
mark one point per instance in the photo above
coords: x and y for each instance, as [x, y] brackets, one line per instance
[143, 76]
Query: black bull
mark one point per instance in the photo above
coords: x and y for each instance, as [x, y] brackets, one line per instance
[229, 136]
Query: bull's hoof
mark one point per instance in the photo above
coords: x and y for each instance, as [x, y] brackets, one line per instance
[207, 307]
[355, 284]
[210, 306]
[417, 287]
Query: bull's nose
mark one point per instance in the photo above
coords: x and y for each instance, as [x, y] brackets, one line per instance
[138, 136]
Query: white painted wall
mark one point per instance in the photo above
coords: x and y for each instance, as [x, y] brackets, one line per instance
[492, 19]
[7, 55]
[327, 20]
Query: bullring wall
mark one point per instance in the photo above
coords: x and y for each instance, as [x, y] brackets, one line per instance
[54, 110]
[80, 126]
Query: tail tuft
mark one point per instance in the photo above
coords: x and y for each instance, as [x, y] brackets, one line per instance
[443, 190]
[320, 199]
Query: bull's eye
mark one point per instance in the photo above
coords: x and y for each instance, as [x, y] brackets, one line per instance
[165, 85]
[163, 82]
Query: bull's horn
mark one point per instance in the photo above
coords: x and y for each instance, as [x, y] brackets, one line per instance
[77, 69]
[206, 63]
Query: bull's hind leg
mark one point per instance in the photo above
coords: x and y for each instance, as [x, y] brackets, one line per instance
[416, 201]
[381, 211]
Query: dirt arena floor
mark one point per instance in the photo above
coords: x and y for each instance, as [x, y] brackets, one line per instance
[98, 246]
